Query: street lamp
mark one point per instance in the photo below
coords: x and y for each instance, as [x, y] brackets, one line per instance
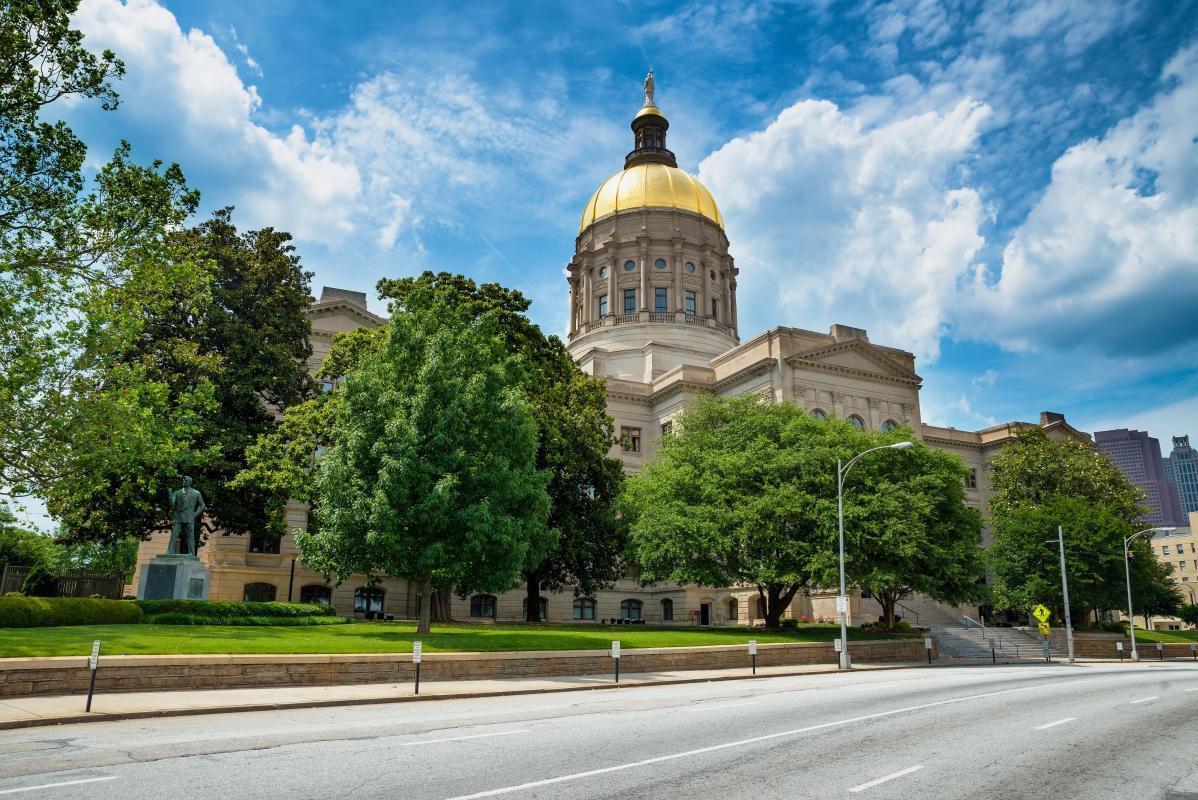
[1131, 617]
[841, 600]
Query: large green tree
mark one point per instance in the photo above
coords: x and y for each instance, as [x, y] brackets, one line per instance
[1040, 483]
[79, 259]
[574, 437]
[430, 471]
[574, 434]
[743, 493]
[242, 337]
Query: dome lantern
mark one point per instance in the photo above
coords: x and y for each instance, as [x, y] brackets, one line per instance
[649, 128]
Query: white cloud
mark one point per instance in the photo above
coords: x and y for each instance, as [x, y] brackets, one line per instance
[835, 219]
[1109, 254]
[1162, 422]
[184, 86]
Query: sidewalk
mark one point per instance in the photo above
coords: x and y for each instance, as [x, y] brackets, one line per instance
[67, 709]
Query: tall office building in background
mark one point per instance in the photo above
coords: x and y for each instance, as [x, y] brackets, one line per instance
[1181, 469]
[1139, 456]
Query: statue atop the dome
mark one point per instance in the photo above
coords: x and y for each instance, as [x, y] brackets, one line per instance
[649, 88]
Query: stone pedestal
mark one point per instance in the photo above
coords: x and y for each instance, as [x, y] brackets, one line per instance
[174, 577]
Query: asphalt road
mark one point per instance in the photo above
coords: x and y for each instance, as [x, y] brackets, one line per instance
[1080, 731]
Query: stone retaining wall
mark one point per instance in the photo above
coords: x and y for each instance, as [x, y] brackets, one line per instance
[22, 677]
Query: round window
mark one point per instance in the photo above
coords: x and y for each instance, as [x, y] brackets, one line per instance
[603, 272]
[690, 267]
[629, 266]
[660, 263]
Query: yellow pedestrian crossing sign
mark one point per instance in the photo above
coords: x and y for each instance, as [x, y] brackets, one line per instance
[1041, 613]
[1044, 628]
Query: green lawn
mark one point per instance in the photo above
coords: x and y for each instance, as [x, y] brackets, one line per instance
[379, 637]
[1166, 636]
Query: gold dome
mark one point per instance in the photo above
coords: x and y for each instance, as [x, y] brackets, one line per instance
[650, 186]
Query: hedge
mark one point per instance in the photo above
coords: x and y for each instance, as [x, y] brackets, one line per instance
[179, 618]
[228, 609]
[44, 612]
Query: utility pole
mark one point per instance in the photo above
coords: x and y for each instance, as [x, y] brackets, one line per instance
[1065, 592]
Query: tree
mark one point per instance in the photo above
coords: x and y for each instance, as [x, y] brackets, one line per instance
[1040, 483]
[915, 533]
[430, 471]
[77, 262]
[243, 337]
[744, 494]
[1188, 614]
[20, 547]
[1154, 594]
[574, 436]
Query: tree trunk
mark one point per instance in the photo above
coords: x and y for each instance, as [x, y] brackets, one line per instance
[888, 601]
[426, 606]
[533, 597]
[442, 611]
[778, 597]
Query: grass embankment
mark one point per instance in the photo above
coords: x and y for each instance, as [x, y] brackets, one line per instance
[1166, 636]
[382, 637]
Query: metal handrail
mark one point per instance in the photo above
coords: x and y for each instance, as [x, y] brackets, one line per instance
[909, 611]
[968, 619]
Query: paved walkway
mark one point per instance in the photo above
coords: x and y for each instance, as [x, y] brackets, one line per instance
[64, 709]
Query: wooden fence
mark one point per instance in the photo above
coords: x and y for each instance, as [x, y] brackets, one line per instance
[73, 584]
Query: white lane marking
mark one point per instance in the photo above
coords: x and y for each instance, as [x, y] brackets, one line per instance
[462, 738]
[61, 783]
[740, 743]
[889, 777]
[1146, 699]
[722, 707]
[1048, 725]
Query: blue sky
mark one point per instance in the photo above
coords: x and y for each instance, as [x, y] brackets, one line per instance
[1008, 189]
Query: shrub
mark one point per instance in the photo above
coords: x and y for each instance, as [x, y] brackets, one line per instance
[1108, 627]
[39, 612]
[788, 623]
[228, 609]
[181, 618]
[42, 581]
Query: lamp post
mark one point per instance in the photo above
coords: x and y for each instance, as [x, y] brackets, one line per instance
[1131, 616]
[842, 600]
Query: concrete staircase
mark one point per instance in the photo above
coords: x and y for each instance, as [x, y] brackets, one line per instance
[919, 611]
[961, 641]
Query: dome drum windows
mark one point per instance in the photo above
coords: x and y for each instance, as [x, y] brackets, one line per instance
[629, 266]
[660, 263]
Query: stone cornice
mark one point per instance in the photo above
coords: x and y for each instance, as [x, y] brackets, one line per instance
[805, 360]
[369, 320]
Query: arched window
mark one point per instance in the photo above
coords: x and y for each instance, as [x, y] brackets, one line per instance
[660, 263]
[889, 425]
[259, 593]
[630, 609]
[603, 272]
[542, 604]
[733, 609]
[857, 422]
[629, 266]
[667, 610]
[584, 608]
[483, 605]
[368, 598]
[315, 593]
[819, 413]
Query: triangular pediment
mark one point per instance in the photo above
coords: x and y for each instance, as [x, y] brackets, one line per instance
[855, 356]
[339, 316]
